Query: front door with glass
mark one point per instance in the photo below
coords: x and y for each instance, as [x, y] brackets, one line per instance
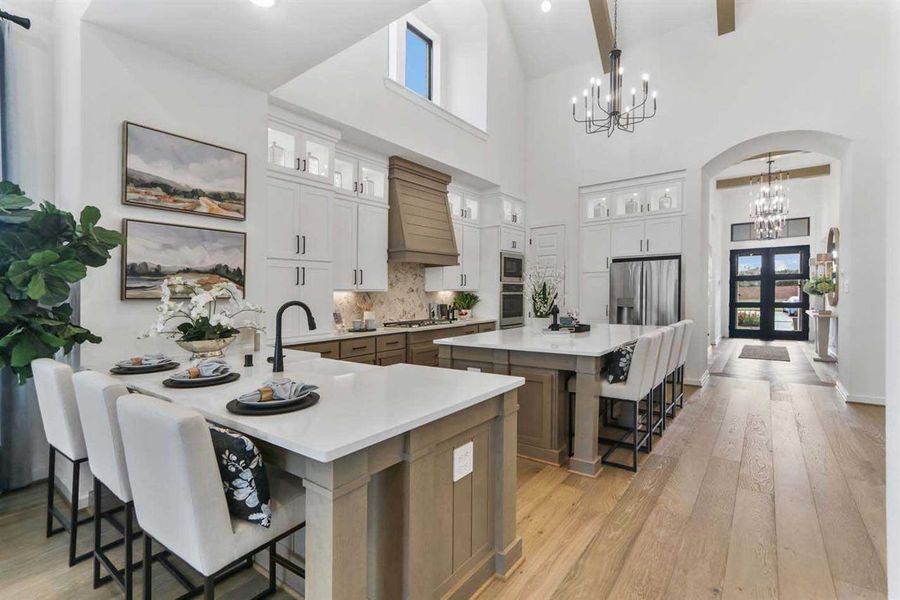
[767, 301]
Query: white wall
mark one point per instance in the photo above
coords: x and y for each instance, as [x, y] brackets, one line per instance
[716, 92]
[817, 198]
[350, 89]
[125, 80]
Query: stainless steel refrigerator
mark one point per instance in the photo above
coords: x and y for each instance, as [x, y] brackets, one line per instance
[645, 291]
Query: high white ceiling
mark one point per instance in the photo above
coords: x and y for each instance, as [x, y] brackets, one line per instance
[548, 42]
[264, 47]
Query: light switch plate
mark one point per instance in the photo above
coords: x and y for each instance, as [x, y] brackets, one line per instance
[463, 457]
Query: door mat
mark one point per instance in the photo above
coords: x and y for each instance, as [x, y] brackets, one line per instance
[765, 353]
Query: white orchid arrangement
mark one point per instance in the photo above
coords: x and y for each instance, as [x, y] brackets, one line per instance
[544, 287]
[210, 313]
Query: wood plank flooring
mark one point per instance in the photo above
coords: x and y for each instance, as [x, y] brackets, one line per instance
[762, 487]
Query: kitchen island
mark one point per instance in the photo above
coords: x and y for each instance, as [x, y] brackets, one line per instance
[388, 514]
[546, 359]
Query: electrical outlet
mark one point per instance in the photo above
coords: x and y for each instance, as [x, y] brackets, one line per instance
[463, 458]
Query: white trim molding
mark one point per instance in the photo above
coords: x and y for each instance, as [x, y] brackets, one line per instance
[701, 382]
[846, 396]
[403, 92]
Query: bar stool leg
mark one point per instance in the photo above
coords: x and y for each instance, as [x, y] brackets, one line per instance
[636, 448]
[51, 478]
[73, 534]
[98, 510]
[129, 553]
[272, 565]
[209, 588]
[148, 565]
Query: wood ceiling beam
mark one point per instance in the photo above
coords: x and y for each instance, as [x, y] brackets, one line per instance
[725, 16]
[603, 30]
[802, 173]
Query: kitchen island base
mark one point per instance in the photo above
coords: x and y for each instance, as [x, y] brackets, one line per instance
[543, 418]
[394, 512]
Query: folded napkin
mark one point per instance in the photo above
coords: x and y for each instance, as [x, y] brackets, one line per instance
[147, 360]
[281, 388]
[205, 368]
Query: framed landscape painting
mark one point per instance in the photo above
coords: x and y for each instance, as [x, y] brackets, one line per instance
[171, 172]
[155, 251]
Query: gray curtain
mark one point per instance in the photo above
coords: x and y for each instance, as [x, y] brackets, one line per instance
[22, 444]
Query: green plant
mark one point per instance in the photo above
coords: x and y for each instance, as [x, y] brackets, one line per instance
[43, 252]
[465, 300]
[818, 285]
[204, 318]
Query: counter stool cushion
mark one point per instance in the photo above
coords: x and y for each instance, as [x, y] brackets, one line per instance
[686, 341]
[59, 410]
[665, 350]
[243, 475]
[675, 354]
[97, 394]
[178, 491]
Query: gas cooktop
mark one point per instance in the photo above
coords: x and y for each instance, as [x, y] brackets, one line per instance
[411, 324]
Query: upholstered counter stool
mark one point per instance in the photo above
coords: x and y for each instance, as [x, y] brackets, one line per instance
[179, 500]
[658, 391]
[674, 356]
[634, 390]
[62, 426]
[679, 372]
[97, 394]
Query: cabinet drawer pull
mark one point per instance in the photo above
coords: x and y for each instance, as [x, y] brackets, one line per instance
[304, 244]
[648, 245]
[354, 276]
[304, 275]
[297, 244]
[642, 245]
[304, 165]
[298, 164]
[393, 343]
[355, 186]
[360, 277]
[296, 275]
[358, 348]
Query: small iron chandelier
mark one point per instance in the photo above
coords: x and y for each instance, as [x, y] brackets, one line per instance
[770, 208]
[611, 113]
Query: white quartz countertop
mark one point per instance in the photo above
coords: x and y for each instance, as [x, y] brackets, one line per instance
[599, 341]
[360, 405]
[334, 336]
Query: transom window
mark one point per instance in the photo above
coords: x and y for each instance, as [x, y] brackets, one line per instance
[743, 232]
[419, 61]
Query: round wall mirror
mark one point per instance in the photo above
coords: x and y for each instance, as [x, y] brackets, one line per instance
[833, 247]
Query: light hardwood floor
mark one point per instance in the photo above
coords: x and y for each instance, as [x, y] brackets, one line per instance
[762, 489]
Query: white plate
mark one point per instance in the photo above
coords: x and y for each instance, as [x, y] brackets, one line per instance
[276, 403]
[179, 377]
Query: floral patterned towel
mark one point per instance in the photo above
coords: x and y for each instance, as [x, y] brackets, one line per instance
[619, 363]
[243, 476]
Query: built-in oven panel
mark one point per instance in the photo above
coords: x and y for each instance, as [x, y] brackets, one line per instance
[512, 267]
[512, 305]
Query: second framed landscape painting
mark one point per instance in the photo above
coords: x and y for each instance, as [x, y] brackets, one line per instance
[155, 251]
[172, 172]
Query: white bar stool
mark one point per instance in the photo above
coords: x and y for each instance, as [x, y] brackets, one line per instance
[679, 372]
[674, 356]
[634, 389]
[97, 394]
[659, 379]
[179, 499]
[62, 426]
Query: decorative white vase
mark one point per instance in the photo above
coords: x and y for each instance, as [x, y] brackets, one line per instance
[817, 303]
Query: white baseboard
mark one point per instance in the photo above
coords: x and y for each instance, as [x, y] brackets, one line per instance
[846, 396]
[702, 381]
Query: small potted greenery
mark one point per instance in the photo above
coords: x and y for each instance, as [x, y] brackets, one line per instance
[817, 287]
[43, 253]
[209, 320]
[464, 302]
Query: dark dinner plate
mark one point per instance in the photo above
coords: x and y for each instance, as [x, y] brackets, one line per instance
[198, 383]
[239, 408]
[141, 369]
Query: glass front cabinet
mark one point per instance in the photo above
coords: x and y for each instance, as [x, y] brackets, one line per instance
[295, 151]
[360, 177]
[635, 198]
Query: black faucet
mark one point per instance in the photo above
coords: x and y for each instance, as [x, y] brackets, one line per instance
[278, 359]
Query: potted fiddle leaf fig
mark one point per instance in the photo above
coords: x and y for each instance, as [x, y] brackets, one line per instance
[44, 251]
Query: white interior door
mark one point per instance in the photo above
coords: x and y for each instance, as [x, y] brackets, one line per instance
[344, 236]
[548, 246]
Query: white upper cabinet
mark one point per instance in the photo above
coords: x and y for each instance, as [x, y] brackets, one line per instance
[645, 237]
[595, 249]
[298, 221]
[360, 177]
[455, 200]
[514, 212]
[464, 204]
[664, 197]
[299, 152]
[632, 199]
[512, 239]
[360, 236]
[309, 282]
[464, 276]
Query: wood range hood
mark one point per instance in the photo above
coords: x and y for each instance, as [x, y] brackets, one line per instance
[420, 228]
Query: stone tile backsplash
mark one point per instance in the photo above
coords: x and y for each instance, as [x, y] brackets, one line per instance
[405, 299]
